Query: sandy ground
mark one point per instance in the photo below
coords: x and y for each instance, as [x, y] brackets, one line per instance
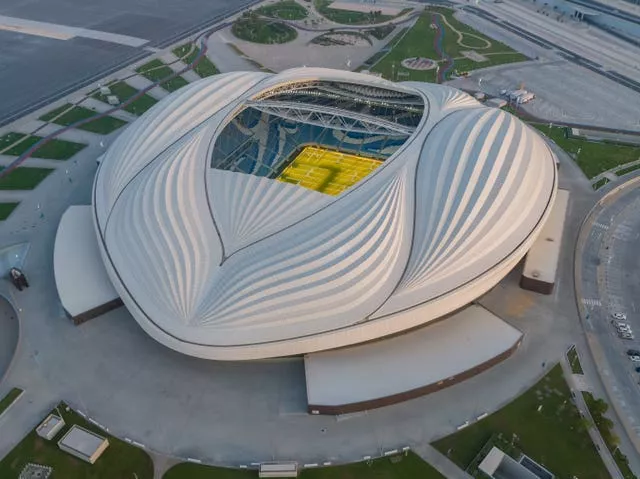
[298, 53]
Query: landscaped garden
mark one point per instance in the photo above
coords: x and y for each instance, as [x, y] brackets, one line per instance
[188, 53]
[23, 178]
[54, 149]
[68, 115]
[593, 157]
[120, 460]
[408, 466]
[252, 28]
[543, 423]
[285, 10]
[349, 17]
[420, 41]
[156, 71]
[124, 91]
[574, 361]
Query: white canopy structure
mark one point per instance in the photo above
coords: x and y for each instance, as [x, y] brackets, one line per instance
[216, 258]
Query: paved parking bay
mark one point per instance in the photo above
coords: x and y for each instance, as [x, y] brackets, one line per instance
[34, 68]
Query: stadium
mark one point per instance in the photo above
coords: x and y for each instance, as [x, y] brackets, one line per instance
[253, 215]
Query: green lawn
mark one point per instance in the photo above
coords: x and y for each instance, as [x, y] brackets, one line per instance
[556, 436]
[124, 91]
[285, 10]
[349, 17]
[23, 178]
[156, 71]
[593, 157]
[419, 42]
[187, 54]
[102, 126]
[405, 467]
[120, 460]
[574, 361]
[628, 169]
[12, 395]
[54, 149]
[6, 209]
[257, 30]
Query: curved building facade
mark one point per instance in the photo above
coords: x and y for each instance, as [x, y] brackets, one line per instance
[253, 215]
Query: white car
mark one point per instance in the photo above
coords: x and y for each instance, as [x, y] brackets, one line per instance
[620, 316]
[627, 336]
[635, 359]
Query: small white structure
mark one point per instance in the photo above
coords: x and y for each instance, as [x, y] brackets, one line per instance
[105, 90]
[520, 96]
[392, 370]
[498, 465]
[278, 469]
[51, 426]
[113, 100]
[83, 444]
[81, 278]
[541, 264]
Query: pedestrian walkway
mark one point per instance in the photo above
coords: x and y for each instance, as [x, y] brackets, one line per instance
[439, 461]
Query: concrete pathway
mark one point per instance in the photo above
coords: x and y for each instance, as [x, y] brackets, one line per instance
[101, 107]
[10, 332]
[6, 160]
[442, 463]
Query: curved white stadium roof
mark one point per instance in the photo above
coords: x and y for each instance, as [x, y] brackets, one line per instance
[227, 265]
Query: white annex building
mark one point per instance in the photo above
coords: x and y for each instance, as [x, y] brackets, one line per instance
[253, 215]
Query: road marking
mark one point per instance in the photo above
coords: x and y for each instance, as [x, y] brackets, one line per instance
[64, 32]
[591, 302]
[600, 225]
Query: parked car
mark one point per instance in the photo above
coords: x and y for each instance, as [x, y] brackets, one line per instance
[635, 359]
[628, 336]
[620, 316]
[638, 369]
[633, 352]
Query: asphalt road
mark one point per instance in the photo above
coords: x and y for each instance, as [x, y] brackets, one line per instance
[610, 281]
[35, 70]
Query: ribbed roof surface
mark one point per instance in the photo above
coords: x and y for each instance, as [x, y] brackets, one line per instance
[228, 265]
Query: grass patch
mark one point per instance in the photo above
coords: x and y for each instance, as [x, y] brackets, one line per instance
[329, 39]
[349, 17]
[557, 436]
[598, 409]
[124, 91]
[398, 467]
[54, 149]
[156, 71]
[628, 169]
[102, 126]
[23, 178]
[381, 32]
[593, 157]
[285, 10]
[419, 42]
[188, 53]
[6, 209]
[120, 460]
[600, 183]
[574, 361]
[257, 30]
[12, 395]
